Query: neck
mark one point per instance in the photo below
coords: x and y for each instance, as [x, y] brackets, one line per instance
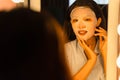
[91, 42]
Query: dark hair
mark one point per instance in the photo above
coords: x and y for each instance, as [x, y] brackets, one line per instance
[30, 47]
[88, 3]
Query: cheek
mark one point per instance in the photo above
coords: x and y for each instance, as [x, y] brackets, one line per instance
[92, 27]
[91, 30]
[74, 28]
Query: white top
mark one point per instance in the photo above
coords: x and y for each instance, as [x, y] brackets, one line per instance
[76, 59]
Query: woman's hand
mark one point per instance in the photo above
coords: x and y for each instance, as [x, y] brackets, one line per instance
[103, 39]
[87, 68]
[102, 43]
[88, 51]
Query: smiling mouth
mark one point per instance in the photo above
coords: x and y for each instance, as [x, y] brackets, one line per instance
[82, 32]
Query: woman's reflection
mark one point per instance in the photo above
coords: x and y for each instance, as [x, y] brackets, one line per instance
[86, 50]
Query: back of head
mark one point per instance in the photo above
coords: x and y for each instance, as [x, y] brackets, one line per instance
[82, 3]
[30, 47]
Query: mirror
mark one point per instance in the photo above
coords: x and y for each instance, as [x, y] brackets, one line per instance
[104, 7]
[55, 7]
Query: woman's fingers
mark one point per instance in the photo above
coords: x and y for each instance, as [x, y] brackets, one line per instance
[102, 38]
[101, 33]
[82, 43]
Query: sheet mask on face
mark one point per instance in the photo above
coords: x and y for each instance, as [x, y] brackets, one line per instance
[84, 22]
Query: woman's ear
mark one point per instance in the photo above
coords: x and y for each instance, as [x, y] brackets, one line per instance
[99, 21]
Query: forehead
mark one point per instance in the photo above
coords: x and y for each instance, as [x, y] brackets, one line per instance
[82, 11]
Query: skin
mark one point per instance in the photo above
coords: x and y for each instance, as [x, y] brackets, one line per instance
[84, 23]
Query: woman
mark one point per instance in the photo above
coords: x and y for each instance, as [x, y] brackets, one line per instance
[31, 47]
[86, 49]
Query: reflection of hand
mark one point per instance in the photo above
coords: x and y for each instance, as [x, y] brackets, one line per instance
[103, 39]
[89, 52]
[87, 68]
[103, 43]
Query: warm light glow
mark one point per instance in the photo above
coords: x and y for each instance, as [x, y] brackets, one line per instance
[21, 0]
[6, 5]
[17, 1]
[118, 29]
[118, 61]
[119, 78]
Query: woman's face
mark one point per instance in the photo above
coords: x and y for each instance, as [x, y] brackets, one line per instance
[84, 22]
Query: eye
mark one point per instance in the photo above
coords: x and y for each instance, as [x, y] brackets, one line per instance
[74, 20]
[87, 19]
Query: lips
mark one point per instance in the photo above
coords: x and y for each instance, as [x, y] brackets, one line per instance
[82, 32]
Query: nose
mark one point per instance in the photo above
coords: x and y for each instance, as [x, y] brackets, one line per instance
[81, 25]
